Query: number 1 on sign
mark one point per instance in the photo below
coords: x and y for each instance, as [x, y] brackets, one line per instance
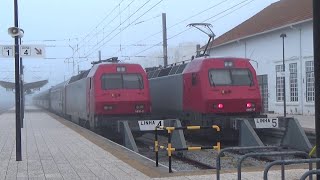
[8, 52]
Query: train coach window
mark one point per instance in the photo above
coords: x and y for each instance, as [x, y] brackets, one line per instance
[111, 81]
[132, 81]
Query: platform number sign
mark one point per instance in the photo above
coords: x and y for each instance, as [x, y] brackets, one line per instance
[29, 51]
[149, 125]
[25, 50]
[266, 122]
[7, 51]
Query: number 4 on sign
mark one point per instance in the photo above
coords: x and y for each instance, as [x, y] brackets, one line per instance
[26, 52]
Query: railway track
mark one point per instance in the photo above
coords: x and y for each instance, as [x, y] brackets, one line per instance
[200, 160]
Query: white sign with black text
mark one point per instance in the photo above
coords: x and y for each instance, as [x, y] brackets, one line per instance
[266, 122]
[7, 51]
[34, 51]
[148, 125]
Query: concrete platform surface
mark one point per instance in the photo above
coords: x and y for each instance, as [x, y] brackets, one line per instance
[51, 150]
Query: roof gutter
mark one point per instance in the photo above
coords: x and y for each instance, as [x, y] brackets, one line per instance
[264, 32]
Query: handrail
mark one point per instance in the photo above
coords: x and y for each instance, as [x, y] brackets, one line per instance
[308, 173]
[287, 162]
[285, 153]
[218, 164]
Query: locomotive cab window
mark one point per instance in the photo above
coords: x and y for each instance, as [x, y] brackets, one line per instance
[111, 81]
[232, 77]
[121, 81]
[132, 81]
[241, 77]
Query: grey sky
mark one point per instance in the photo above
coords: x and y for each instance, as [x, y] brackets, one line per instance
[68, 22]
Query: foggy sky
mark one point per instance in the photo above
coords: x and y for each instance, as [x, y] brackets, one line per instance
[66, 23]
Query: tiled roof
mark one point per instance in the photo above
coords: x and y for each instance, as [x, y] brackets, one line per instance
[278, 14]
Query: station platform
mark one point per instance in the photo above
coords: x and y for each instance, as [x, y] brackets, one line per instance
[54, 148]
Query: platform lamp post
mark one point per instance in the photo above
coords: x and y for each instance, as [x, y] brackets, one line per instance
[283, 35]
[16, 33]
[22, 100]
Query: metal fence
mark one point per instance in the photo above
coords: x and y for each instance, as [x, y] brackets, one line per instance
[171, 149]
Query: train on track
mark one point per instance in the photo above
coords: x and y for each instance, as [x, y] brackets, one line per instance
[101, 95]
[205, 91]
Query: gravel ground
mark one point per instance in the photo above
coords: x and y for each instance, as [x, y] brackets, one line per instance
[145, 146]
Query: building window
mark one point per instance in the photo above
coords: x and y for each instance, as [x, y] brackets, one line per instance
[279, 83]
[309, 81]
[293, 82]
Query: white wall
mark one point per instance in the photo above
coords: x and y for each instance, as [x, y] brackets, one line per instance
[266, 49]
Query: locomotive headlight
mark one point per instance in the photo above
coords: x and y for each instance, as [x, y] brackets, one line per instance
[228, 64]
[121, 69]
[108, 107]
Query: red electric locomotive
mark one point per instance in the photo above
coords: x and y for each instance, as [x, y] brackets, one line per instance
[106, 92]
[102, 95]
[205, 91]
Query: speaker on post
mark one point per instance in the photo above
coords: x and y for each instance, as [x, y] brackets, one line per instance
[15, 32]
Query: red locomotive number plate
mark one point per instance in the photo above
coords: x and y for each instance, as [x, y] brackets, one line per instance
[139, 111]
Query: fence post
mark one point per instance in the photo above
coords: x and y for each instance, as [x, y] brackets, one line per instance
[156, 146]
[169, 150]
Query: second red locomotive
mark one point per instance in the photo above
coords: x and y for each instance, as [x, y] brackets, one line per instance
[205, 91]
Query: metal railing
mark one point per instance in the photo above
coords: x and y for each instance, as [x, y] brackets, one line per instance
[251, 148]
[309, 173]
[287, 162]
[171, 149]
[285, 153]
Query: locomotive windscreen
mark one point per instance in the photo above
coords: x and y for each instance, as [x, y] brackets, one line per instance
[232, 77]
[121, 81]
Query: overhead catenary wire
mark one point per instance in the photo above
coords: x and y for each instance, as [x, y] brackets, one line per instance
[184, 20]
[183, 31]
[207, 9]
[92, 30]
[107, 24]
[126, 26]
[120, 24]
